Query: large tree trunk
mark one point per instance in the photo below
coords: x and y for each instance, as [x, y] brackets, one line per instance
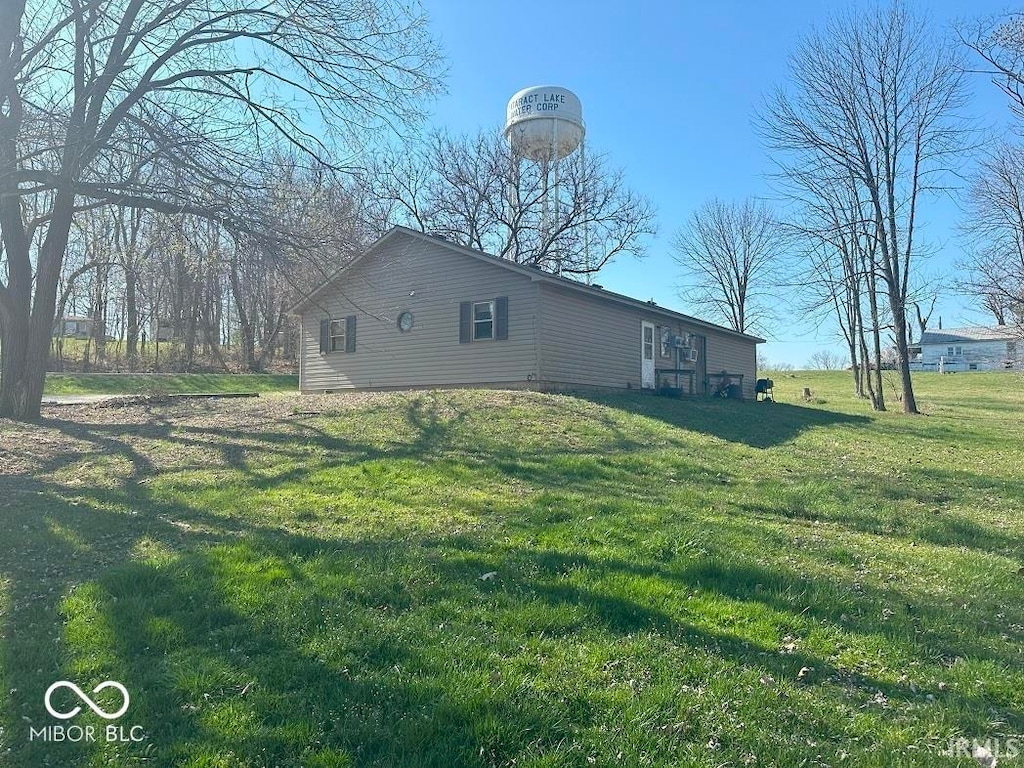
[15, 319]
[903, 359]
[14, 345]
[24, 370]
[194, 306]
[27, 325]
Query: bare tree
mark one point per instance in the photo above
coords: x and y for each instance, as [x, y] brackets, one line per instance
[764, 365]
[923, 318]
[827, 360]
[834, 273]
[265, 280]
[473, 191]
[999, 41]
[994, 230]
[204, 88]
[134, 248]
[994, 272]
[729, 253]
[218, 296]
[875, 96]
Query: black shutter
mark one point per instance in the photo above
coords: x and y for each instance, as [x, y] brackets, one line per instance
[501, 317]
[325, 336]
[350, 333]
[465, 322]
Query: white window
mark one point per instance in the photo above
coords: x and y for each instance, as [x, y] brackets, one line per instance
[337, 335]
[648, 343]
[959, 350]
[483, 320]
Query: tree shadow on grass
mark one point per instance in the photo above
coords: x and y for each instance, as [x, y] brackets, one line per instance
[430, 433]
[921, 506]
[288, 649]
[382, 650]
[238, 649]
[339, 685]
[908, 621]
[756, 424]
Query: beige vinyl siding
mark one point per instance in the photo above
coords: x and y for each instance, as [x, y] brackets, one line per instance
[429, 280]
[557, 336]
[588, 342]
[735, 355]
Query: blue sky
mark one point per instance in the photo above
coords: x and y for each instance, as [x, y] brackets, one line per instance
[669, 90]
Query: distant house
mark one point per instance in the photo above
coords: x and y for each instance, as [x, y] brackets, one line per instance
[416, 310]
[164, 330]
[969, 349]
[74, 327]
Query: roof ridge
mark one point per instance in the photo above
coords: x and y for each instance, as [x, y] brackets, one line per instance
[531, 272]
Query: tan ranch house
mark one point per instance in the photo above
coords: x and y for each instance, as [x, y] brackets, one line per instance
[416, 310]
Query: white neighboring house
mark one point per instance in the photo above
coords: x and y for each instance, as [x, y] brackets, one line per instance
[976, 348]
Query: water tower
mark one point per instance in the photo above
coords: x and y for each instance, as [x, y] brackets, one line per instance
[544, 125]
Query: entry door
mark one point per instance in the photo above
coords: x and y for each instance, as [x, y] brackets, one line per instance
[647, 355]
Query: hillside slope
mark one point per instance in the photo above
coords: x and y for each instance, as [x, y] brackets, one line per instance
[484, 578]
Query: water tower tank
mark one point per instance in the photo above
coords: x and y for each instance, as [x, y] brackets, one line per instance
[544, 123]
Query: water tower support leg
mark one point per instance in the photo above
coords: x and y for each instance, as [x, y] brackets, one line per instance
[586, 211]
[557, 200]
[544, 171]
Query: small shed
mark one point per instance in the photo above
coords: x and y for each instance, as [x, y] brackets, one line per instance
[74, 327]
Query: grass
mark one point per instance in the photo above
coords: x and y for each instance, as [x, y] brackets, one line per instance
[166, 383]
[484, 578]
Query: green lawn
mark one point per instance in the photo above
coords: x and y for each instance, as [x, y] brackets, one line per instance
[166, 383]
[480, 578]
